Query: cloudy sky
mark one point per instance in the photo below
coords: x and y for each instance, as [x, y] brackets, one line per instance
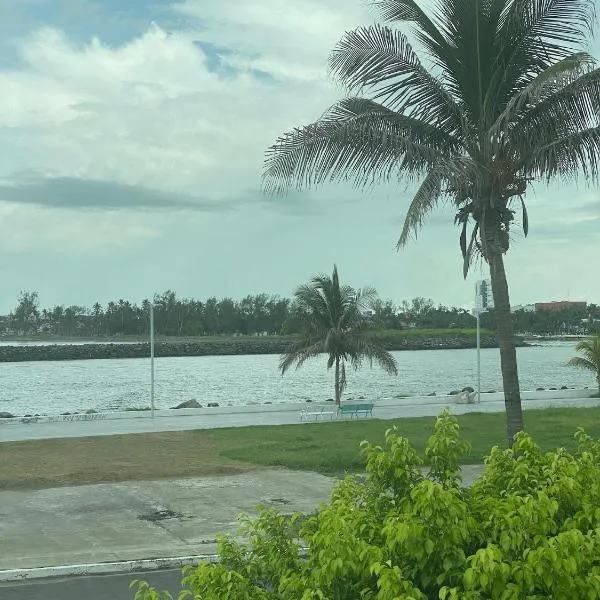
[132, 135]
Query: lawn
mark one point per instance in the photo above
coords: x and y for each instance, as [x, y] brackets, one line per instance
[323, 447]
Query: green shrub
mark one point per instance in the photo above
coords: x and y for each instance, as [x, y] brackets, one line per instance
[529, 528]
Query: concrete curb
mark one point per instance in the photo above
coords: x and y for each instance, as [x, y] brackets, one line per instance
[107, 568]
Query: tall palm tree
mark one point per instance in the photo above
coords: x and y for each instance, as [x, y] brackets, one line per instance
[590, 360]
[333, 323]
[508, 96]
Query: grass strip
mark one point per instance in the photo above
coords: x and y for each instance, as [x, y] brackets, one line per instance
[327, 447]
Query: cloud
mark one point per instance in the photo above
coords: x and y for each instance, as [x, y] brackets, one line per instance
[286, 40]
[158, 131]
[74, 193]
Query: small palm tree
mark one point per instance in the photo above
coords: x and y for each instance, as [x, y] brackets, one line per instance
[333, 323]
[590, 361]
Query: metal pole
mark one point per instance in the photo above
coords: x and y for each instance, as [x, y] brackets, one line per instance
[152, 359]
[478, 361]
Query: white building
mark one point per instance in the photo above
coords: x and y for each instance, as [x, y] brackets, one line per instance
[484, 299]
[523, 307]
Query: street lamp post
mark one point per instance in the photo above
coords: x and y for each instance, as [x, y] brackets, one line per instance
[152, 359]
[477, 313]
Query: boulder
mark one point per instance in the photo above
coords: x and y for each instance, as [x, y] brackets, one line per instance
[490, 392]
[453, 392]
[6, 415]
[90, 411]
[540, 389]
[432, 394]
[189, 404]
[468, 389]
[213, 405]
[564, 387]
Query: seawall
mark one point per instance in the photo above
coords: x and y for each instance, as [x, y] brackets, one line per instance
[232, 346]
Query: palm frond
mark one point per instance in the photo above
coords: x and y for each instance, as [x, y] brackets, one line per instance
[570, 110]
[381, 60]
[409, 11]
[543, 92]
[366, 347]
[568, 157]
[462, 178]
[423, 202]
[471, 250]
[583, 363]
[301, 351]
[355, 140]
[313, 306]
[535, 34]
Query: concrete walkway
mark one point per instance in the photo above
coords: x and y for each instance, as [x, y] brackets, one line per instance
[169, 420]
[143, 520]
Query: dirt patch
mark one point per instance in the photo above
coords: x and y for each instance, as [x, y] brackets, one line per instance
[109, 459]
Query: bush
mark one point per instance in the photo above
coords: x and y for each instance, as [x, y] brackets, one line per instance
[528, 528]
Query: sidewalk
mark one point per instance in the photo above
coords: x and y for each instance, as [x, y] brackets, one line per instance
[130, 521]
[168, 420]
[142, 520]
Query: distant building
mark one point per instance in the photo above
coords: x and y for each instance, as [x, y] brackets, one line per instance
[562, 305]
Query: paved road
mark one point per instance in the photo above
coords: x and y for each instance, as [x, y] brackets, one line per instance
[31, 431]
[99, 587]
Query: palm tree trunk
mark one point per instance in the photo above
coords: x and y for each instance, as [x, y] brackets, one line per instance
[506, 341]
[337, 381]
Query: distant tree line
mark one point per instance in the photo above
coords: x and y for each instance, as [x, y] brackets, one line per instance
[549, 322]
[261, 314]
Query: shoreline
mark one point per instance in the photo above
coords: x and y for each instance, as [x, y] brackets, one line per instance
[194, 408]
[45, 350]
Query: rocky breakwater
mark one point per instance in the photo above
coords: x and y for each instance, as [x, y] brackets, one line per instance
[142, 350]
[444, 343]
[212, 347]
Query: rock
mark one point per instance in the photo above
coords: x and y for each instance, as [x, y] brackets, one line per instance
[490, 392]
[268, 402]
[28, 416]
[90, 411]
[432, 394]
[540, 389]
[309, 400]
[453, 392]
[6, 415]
[212, 404]
[189, 404]
[468, 389]
[65, 413]
[361, 397]
[553, 389]
[329, 400]
[564, 387]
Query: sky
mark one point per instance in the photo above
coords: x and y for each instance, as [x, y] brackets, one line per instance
[132, 137]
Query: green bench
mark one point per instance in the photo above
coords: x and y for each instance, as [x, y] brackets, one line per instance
[354, 410]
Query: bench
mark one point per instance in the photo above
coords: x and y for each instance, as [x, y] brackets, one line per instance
[317, 412]
[354, 410]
